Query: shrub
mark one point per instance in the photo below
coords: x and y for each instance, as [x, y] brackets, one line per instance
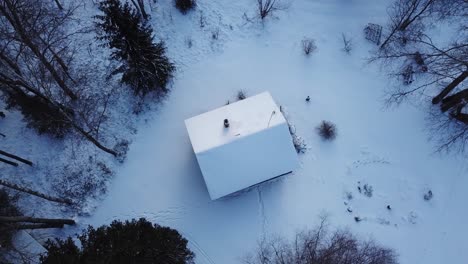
[185, 5]
[136, 241]
[308, 46]
[327, 130]
[319, 246]
[241, 95]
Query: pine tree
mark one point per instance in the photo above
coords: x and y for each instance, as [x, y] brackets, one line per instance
[144, 64]
[136, 241]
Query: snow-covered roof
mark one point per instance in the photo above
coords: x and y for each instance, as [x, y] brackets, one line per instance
[256, 147]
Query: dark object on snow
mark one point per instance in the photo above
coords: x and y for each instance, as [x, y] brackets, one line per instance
[2, 115]
[226, 123]
[349, 209]
[308, 46]
[388, 207]
[357, 219]
[308, 99]
[373, 33]
[327, 130]
[428, 196]
[368, 190]
[185, 5]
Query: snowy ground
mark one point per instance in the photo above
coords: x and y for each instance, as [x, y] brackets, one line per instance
[385, 148]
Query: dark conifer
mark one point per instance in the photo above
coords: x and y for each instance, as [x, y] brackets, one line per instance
[144, 64]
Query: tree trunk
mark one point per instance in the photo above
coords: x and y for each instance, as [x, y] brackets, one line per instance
[94, 141]
[16, 157]
[450, 87]
[9, 162]
[35, 193]
[37, 226]
[27, 219]
[59, 5]
[453, 100]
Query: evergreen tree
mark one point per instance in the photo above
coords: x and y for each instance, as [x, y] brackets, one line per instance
[38, 113]
[122, 242]
[145, 66]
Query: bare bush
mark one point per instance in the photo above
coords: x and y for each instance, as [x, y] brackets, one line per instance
[241, 95]
[268, 7]
[308, 46]
[327, 130]
[319, 246]
[348, 44]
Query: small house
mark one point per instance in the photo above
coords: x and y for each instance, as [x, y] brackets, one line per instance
[242, 144]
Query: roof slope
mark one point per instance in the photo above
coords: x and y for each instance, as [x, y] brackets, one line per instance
[246, 117]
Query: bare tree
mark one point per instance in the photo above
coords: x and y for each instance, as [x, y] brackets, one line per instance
[35, 49]
[319, 246]
[429, 68]
[32, 30]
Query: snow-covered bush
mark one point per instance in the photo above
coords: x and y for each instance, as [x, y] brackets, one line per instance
[185, 5]
[320, 246]
[298, 142]
[308, 45]
[135, 241]
[327, 130]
